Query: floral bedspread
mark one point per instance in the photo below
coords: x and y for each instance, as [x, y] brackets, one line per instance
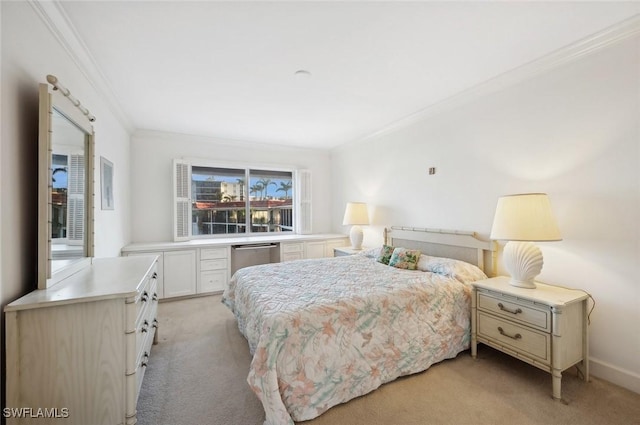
[325, 331]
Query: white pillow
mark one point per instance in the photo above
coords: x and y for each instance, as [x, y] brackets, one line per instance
[371, 252]
[457, 269]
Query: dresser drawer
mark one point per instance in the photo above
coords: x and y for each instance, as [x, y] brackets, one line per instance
[213, 281]
[219, 264]
[142, 367]
[291, 256]
[145, 296]
[211, 253]
[292, 247]
[517, 310]
[519, 338]
[146, 324]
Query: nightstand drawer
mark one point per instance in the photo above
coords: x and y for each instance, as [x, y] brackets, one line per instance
[522, 340]
[512, 309]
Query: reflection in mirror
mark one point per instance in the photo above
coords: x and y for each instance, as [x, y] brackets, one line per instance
[65, 185]
[67, 189]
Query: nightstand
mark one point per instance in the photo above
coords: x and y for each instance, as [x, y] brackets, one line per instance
[346, 250]
[545, 327]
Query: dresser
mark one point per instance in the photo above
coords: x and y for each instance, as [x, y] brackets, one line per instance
[78, 350]
[545, 327]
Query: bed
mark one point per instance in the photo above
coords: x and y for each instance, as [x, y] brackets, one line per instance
[325, 331]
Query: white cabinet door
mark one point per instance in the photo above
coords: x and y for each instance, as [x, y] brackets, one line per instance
[335, 243]
[314, 249]
[179, 273]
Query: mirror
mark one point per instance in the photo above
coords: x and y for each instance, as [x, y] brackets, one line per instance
[65, 186]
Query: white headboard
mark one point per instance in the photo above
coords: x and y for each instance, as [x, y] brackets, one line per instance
[461, 245]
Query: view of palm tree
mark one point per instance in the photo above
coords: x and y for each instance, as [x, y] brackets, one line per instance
[285, 187]
[219, 203]
[266, 182]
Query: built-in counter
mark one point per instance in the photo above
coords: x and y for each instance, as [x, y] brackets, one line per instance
[204, 266]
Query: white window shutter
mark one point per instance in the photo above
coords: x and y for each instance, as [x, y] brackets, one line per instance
[303, 195]
[75, 200]
[181, 200]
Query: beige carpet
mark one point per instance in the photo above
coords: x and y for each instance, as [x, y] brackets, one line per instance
[197, 376]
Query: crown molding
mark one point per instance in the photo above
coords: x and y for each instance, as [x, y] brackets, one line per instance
[222, 141]
[591, 44]
[57, 21]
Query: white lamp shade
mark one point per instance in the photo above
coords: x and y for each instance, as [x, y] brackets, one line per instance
[356, 213]
[521, 220]
[525, 217]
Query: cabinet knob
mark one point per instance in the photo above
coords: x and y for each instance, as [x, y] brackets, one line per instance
[155, 323]
[154, 297]
[155, 275]
[145, 296]
[145, 326]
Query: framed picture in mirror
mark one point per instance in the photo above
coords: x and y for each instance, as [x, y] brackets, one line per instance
[106, 186]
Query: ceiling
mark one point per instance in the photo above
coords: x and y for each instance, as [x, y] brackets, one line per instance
[228, 69]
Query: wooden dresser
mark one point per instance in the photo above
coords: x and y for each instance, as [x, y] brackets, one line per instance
[77, 351]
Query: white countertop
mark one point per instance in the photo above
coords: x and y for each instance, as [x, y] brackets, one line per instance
[227, 241]
[549, 294]
[106, 278]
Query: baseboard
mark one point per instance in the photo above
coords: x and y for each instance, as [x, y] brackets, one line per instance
[615, 375]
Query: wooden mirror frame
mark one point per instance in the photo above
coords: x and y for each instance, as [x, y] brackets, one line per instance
[59, 99]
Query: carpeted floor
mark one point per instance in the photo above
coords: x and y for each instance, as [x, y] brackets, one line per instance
[197, 376]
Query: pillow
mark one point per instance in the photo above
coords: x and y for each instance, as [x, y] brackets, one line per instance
[385, 254]
[403, 258]
[371, 252]
[457, 269]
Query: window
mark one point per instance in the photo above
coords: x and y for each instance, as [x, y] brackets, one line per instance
[218, 201]
[59, 187]
[67, 198]
[271, 201]
[237, 201]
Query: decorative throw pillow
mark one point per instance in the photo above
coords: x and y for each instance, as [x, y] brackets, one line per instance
[385, 254]
[403, 258]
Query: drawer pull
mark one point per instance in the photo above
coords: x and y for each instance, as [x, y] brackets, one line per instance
[155, 275]
[145, 326]
[503, 308]
[155, 323]
[145, 296]
[154, 297]
[503, 333]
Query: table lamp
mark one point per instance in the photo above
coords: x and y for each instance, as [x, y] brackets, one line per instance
[355, 215]
[521, 220]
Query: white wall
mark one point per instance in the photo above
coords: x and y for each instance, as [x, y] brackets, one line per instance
[152, 155]
[571, 132]
[29, 53]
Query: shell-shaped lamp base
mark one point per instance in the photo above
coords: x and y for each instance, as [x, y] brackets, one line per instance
[523, 261]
